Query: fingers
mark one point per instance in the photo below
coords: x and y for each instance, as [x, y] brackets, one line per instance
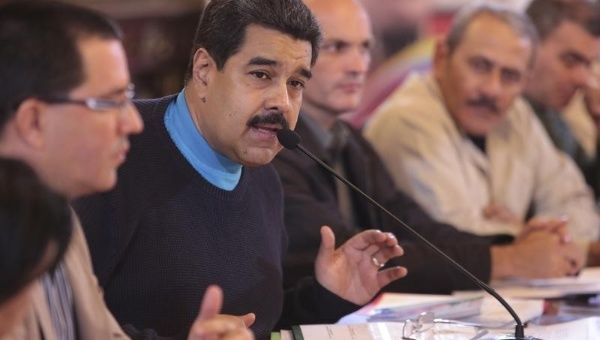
[371, 240]
[558, 226]
[248, 319]
[383, 255]
[363, 240]
[211, 325]
[500, 213]
[547, 223]
[211, 303]
[327, 246]
[218, 327]
[239, 334]
[386, 276]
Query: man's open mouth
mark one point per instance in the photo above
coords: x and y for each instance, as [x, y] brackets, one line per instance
[267, 127]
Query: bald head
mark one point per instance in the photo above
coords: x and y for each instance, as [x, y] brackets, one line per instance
[340, 71]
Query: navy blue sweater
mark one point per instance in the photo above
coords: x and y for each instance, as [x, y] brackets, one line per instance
[164, 234]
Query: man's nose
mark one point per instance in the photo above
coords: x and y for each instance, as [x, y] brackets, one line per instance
[279, 98]
[358, 60]
[491, 86]
[581, 76]
[130, 120]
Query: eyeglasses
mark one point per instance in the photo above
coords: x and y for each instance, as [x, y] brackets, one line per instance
[423, 323]
[95, 104]
[413, 329]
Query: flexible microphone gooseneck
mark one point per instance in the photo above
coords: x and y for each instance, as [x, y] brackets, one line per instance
[291, 140]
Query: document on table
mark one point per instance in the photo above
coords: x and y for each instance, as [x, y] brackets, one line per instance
[400, 306]
[365, 331]
[584, 329]
[494, 315]
[587, 282]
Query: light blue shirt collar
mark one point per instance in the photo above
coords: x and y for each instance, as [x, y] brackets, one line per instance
[209, 163]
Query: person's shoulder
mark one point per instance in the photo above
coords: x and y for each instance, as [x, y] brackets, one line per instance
[521, 117]
[418, 100]
[153, 105]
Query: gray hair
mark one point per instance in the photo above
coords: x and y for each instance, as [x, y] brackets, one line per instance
[519, 22]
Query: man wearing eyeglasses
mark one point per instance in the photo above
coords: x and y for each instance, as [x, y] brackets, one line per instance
[65, 110]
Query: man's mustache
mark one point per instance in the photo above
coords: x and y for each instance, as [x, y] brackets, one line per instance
[274, 117]
[486, 102]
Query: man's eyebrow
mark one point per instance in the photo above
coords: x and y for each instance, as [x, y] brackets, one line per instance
[116, 92]
[305, 73]
[578, 56]
[261, 61]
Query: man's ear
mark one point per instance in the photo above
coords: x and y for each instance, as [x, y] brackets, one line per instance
[27, 122]
[202, 67]
[440, 56]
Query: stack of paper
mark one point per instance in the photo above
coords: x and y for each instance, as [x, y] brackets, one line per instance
[400, 307]
[584, 329]
[587, 282]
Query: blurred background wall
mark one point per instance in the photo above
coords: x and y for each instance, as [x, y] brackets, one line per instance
[158, 33]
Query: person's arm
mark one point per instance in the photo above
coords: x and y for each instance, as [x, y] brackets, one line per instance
[560, 189]
[428, 159]
[345, 278]
[310, 202]
[529, 257]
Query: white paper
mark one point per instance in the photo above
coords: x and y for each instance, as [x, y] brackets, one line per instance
[583, 329]
[413, 304]
[587, 282]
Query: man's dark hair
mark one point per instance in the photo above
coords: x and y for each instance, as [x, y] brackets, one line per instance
[33, 220]
[39, 55]
[547, 15]
[222, 27]
[519, 23]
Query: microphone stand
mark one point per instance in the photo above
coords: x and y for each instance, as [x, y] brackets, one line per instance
[290, 140]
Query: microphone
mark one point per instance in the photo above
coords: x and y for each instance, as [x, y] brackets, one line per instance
[291, 140]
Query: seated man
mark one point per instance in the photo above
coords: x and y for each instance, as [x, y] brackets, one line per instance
[570, 44]
[314, 197]
[35, 229]
[462, 143]
[198, 203]
[66, 112]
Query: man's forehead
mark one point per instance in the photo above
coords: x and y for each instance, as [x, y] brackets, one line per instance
[569, 35]
[506, 48]
[104, 65]
[280, 48]
[334, 15]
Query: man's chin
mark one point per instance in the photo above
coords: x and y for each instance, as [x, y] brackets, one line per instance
[480, 130]
[259, 157]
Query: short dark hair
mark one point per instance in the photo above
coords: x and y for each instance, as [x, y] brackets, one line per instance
[517, 21]
[547, 15]
[39, 54]
[222, 27]
[32, 217]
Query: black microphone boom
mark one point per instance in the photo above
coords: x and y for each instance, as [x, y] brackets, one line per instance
[291, 140]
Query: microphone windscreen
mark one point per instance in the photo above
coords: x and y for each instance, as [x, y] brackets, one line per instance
[288, 138]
